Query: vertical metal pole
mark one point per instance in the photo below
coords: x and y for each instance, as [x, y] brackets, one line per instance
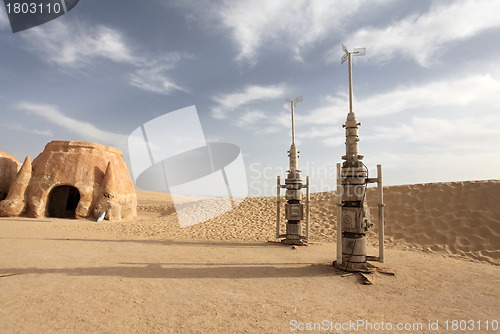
[339, 216]
[278, 204]
[308, 213]
[381, 222]
[349, 59]
[292, 103]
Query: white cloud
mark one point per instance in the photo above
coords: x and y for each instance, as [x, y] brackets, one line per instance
[85, 130]
[473, 133]
[153, 79]
[230, 102]
[277, 123]
[334, 111]
[450, 93]
[153, 76]
[421, 37]
[447, 130]
[296, 25]
[269, 129]
[4, 20]
[80, 45]
[76, 46]
[479, 92]
[19, 127]
[324, 131]
[459, 92]
[261, 123]
[249, 118]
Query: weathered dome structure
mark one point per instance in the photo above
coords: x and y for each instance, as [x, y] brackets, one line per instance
[72, 180]
[9, 166]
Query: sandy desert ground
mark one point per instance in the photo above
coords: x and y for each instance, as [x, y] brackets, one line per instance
[223, 276]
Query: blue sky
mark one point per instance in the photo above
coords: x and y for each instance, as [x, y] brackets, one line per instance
[427, 92]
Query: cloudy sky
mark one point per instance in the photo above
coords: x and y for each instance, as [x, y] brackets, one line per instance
[427, 92]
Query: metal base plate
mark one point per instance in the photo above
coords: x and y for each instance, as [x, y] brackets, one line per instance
[362, 267]
[298, 242]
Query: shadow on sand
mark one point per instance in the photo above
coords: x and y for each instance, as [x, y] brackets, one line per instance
[187, 270]
[191, 243]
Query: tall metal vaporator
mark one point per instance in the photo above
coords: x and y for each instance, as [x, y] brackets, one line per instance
[353, 219]
[294, 208]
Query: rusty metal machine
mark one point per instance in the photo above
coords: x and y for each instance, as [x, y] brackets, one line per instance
[295, 210]
[353, 219]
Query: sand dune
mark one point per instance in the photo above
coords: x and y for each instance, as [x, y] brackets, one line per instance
[150, 275]
[454, 218]
[458, 218]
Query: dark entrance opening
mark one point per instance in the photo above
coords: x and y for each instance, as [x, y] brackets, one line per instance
[63, 201]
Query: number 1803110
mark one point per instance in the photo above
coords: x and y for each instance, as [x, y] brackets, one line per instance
[33, 8]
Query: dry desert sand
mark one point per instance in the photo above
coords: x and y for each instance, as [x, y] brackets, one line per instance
[148, 275]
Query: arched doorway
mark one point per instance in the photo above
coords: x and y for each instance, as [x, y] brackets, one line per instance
[63, 201]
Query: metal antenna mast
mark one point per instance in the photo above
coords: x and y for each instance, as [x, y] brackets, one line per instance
[348, 56]
[292, 106]
[353, 221]
[294, 207]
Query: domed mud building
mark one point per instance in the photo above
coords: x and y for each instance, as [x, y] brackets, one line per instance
[68, 180]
